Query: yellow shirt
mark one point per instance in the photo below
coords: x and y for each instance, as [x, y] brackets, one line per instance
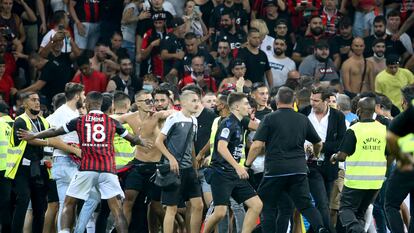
[390, 85]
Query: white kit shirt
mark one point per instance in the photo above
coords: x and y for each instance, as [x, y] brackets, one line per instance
[59, 118]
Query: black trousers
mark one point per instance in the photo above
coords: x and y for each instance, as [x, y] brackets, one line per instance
[297, 188]
[354, 204]
[400, 184]
[320, 189]
[5, 206]
[26, 189]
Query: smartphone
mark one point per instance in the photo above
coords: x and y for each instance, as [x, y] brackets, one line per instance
[197, 10]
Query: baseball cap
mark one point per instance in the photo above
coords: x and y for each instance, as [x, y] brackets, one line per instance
[392, 59]
[176, 22]
[322, 44]
[280, 22]
[269, 3]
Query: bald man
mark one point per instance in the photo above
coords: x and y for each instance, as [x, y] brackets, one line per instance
[357, 72]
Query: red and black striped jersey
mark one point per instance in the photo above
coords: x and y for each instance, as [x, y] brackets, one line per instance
[96, 132]
[88, 10]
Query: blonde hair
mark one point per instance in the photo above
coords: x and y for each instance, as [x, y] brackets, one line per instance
[260, 25]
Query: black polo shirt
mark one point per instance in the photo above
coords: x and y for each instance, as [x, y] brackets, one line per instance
[284, 133]
[172, 44]
[232, 131]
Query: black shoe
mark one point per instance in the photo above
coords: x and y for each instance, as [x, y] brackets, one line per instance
[323, 230]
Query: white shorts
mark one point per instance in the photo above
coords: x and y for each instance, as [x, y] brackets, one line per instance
[84, 181]
[91, 37]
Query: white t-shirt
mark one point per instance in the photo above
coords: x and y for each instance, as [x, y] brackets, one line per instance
[128, 30]
[49, 35]
[280, 69]
[267, 45]
[59, 118]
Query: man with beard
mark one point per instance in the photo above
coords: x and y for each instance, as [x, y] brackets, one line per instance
[125, 80]
[319, 65]
[240, 15]
[280, 63]
[223, 59]
[281, 30]
[340, 45]
[162, 99]
[391, 46]
[150, 55]
[305, 46]
[229, 32]
[378, 58]
[357, 72]
[64, 165]
[257, 64]
[145, 124]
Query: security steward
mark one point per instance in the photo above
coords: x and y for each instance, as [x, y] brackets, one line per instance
[400, 138]
[26, 167]
[282, 134]
[363, 148]
[6, 123]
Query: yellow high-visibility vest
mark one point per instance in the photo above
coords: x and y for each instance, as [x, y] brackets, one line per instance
[406, 143]
[124, 151]
[15, 152]
[366, 167]
[5, 130]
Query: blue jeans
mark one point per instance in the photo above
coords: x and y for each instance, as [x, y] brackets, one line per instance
[130, 47]
[62, 172]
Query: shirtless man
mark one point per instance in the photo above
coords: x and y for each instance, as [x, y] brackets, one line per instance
[239, 70]
[357, 72]
[378, 59]
[144, 123]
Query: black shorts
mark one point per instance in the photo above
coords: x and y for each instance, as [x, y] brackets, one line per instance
[224, 186]
[189, 188]
[140, 175]
[52, 194]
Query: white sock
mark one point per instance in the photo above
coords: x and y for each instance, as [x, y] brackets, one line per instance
[67, 230]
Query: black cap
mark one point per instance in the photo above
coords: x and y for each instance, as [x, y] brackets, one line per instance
[269, 3]
[162, 15]
[392, 59]
[281, 21]
[176, 22]
[238, 62]
[4, 108]
[322, 44]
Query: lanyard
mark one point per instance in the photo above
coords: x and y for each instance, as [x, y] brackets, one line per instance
[36, 125]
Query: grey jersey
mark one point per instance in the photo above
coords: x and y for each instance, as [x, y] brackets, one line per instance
[176, 128]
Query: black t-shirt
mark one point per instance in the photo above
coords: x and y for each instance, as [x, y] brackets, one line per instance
[172, 44]
[235, 40]
[31, 152]
[261, 114]
[146, 24]
[56, 73]
[305, 46]
[111, 10]
[232, 131]
[403, 123]
[391, 46]
[337, 43]
[204, 123]
[256, 64]
[207, 10]
[284, 133]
